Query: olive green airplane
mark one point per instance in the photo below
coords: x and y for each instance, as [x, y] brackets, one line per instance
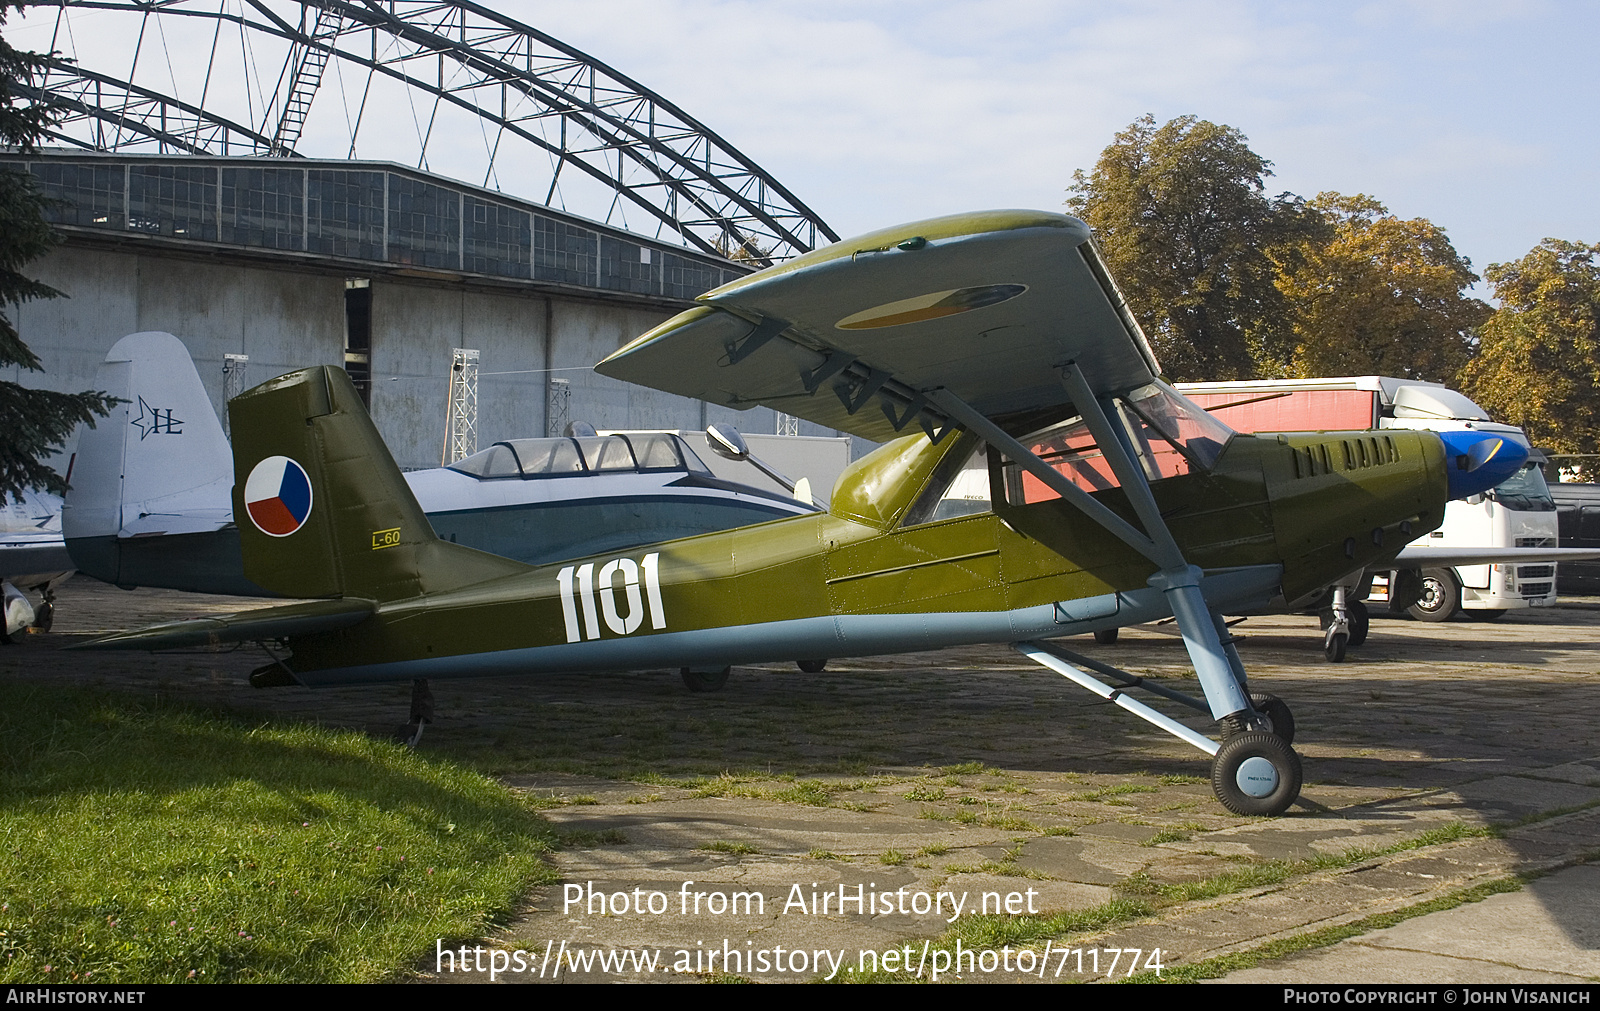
[1039, 480]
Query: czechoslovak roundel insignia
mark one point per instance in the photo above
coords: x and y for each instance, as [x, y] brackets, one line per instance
[278, 496]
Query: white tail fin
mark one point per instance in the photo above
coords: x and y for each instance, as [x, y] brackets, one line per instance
[159, 463]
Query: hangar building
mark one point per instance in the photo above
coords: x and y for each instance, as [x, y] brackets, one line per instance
[178, 217]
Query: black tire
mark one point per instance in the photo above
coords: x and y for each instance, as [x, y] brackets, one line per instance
[45, 615]
[812, 666]
[1256, 773]
[1276, 710]
[1333, 647]
[1106, 636]
[1441, 596]
[1486, 614]
[1360, 620]
[704, 681]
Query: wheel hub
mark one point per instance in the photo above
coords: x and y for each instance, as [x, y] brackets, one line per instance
[1257, 777]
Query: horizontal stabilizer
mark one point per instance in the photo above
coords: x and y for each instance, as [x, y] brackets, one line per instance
[248, 626]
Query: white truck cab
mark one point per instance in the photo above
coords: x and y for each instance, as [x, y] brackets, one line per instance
[1517, 513]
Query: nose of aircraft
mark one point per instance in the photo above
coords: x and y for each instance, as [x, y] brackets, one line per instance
[1477, 461]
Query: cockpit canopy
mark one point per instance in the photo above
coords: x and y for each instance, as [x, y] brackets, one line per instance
[577, 457]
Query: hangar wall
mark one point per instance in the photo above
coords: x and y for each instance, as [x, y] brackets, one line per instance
[286, 318]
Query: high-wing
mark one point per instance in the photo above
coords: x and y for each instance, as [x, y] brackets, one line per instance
[987, 307]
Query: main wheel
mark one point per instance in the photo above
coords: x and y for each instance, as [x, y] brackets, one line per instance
[1333, 647]
[1441, 596]
[704, 680]
[1360, 618]
[1106, 636]
[44, 616]
[812, 666]
[1256, 773]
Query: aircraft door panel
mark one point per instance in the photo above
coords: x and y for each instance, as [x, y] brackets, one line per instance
[952, 565]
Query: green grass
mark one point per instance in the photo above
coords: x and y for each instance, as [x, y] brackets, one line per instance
[733, 848]
[148, 843]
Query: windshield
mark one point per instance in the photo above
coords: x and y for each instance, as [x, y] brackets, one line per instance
[1186, 425]
[1524, 491]
[565, 456]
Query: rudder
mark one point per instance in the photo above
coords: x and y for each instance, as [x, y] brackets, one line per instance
[321, 507]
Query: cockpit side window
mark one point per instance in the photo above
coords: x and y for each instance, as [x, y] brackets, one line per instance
[657, 451]
[1170, 436]
[959, 487]
[1070, 450]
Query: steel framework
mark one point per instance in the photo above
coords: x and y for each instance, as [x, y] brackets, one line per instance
[461, 409]
[534, 100]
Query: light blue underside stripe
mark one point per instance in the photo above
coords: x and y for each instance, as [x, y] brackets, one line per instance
[1230, 590]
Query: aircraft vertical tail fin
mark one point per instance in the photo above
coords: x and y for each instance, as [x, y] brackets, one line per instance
[157, 464]
[322, 509]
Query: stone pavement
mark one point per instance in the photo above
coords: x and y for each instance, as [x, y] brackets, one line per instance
[1439, 759]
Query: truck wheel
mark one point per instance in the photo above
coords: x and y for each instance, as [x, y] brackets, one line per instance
[1441, 596]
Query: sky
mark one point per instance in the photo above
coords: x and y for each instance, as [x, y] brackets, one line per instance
[1479, 116]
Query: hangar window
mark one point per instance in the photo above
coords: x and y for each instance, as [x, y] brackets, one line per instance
[424, 223]
[497, 239]
[264, 207]
[682, 277]
[175, 200]
[90, 195]
[344, 213]
[624, 268]
[563, 252]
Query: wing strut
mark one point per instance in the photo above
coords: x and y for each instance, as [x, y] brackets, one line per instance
[1216, 661]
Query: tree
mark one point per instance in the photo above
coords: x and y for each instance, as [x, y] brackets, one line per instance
[34, 423]
[1377, 295]
[1538, 362]
[1184, 223]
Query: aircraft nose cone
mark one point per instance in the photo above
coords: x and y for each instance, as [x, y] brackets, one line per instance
[1477, 461]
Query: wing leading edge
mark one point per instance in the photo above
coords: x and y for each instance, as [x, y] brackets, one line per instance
[987, 308]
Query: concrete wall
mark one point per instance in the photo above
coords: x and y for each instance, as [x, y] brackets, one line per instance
[286, 319]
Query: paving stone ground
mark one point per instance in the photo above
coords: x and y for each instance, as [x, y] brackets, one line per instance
[1438, 758]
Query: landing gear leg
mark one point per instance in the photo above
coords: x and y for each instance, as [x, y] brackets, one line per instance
[44, 615]
[1337, 635]
[421, 714]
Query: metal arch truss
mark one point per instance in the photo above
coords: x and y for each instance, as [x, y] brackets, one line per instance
[532, 90]
[102, 113]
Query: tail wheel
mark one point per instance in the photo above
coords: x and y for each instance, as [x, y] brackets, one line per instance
[1441, 596]
[812, 666]
[1256, 773]
[704, 680]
